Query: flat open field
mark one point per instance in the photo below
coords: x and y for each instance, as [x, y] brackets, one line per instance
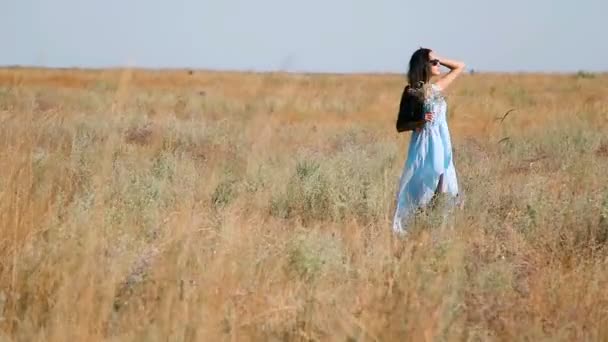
[206, 206]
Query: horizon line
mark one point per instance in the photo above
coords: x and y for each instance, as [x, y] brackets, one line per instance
[191, 70]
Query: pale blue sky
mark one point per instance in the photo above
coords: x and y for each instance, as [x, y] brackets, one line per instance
[312, 35]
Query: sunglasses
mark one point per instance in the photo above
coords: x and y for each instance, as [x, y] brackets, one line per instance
[434, 62]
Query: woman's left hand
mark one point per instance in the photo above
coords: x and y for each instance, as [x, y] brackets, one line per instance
[428, 117]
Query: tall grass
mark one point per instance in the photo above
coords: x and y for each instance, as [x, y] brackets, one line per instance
[213, 207]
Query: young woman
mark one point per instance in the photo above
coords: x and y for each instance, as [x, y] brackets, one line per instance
[429, 169]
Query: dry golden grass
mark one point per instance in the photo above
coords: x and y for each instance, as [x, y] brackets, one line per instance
[199, 206]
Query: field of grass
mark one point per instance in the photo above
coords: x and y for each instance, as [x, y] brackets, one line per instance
[201, 206]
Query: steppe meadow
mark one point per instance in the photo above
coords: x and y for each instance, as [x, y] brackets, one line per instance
[187, 205]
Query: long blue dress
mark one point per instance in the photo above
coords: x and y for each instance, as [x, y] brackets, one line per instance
[429, 158]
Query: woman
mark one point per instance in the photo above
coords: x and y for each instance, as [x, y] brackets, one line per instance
[429, 168]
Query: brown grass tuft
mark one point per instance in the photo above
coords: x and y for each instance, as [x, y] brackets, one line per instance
[141, 135]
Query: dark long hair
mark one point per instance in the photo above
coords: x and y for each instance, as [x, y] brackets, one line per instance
[420, 70]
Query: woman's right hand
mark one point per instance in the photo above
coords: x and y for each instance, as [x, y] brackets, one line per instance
[456, 67]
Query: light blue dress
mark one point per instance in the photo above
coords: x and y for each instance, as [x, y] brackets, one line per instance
[429, 157]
